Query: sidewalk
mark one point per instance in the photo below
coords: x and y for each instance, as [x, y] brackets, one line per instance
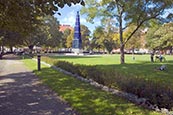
[21, 92]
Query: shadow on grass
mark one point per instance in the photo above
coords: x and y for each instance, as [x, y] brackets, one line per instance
[86, 99]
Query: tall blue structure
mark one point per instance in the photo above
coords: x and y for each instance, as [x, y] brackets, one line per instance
[77, 41]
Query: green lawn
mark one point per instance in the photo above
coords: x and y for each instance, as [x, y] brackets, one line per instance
[140, 67]
[86, 99]
[108, 59]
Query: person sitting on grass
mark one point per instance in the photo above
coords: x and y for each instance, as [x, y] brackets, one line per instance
[161, 68]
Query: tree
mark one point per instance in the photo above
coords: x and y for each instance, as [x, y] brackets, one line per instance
[66, 33]
[109, 45]
[47, 35]
[23, 16]
[153, 26]
[109, 31]
[125, 12]
[103, 38]
[70, 39]
[55, 36]
[98, 38]
[85, 34]
[160, 37]
[136, 40]
[11, 39]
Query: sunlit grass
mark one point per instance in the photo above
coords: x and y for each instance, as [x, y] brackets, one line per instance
[140, 67]
[107, 59]
[86, 99]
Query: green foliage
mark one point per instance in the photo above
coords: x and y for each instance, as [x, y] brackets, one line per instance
[28, 13]
[126, 13]
[98, 38]
[25, 18]
[54, 34]
[103, 38]
[136, 40]
[160, 37]
[70, 39]
[45, 35]
[85, 34]
[66, 33]
[109, 45]
[10, 39]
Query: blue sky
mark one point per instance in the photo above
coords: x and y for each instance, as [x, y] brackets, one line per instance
[68, 16]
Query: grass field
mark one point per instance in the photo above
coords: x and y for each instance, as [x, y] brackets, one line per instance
[140, 67]
[86, 99]
[140, 76]
[108, 59]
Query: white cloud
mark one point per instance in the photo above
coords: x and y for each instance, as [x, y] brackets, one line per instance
[69, 18]
[82, 20]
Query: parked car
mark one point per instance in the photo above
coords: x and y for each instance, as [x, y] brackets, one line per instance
[139, 51]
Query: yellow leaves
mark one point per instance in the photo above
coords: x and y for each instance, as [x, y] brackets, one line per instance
[70, 39]
[116, 36]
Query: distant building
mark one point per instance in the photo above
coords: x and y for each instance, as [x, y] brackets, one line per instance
[64, 27]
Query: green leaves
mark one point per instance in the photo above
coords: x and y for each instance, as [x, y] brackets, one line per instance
[126, 13]
[160, 37]
[22, 15]
[25, 17]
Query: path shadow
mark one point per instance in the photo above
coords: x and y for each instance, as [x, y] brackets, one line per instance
[24, 94]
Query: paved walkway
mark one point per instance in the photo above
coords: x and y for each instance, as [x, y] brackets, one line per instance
[21, 92]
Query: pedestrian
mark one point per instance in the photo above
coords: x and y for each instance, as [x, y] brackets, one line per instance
[152, 57]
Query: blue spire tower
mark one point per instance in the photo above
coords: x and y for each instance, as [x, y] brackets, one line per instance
[77, 41]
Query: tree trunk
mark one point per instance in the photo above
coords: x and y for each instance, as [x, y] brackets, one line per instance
[122, 53]
[121, 41]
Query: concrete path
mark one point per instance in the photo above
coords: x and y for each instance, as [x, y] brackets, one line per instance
[21, 92]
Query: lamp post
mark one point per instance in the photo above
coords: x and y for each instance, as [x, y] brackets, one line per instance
[39, 61]
[38, 58]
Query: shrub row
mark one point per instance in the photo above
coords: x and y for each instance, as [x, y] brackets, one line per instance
[156, 93]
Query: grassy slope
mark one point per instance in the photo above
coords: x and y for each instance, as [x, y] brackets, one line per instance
[87, 100]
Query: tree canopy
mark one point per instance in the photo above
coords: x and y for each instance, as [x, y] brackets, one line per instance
[160, 37]
[126, 13]
[23, 15]
[21, 19]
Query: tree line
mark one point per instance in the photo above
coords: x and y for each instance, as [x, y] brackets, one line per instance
[31, 23]
[21, 20]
